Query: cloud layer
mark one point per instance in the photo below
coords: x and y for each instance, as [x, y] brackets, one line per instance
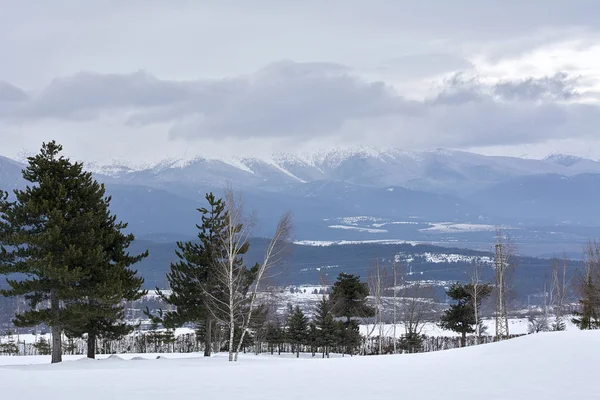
[409, 74]
[300, 101]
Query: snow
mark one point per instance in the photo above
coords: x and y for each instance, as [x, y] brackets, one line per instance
[437, 258]
[557, 365]
[356, 228]
[324, 243]
[449, 227]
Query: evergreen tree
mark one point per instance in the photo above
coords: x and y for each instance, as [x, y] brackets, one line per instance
[193, 275]
[326, 327]
[460, 317]
[274, 336]
[312, 337]
[59, 235]
[297, 329]
[349, 298]
[588, 317]
[349, 336]
[107, 283]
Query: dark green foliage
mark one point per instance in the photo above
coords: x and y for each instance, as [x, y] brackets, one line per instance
[349, 336]
[60, 234]
[42, 347]
[349, 298]
[411, 342]
[588, 318]
[297, 331]
[107, 284]
[327, 335]
[274, 336]
[312, 337]
[460, 317]
[193, 275]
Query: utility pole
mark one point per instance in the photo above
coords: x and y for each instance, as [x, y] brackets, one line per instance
[501, 311]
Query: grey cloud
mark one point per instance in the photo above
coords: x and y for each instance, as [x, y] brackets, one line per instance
[88, 94]
[426, 64]
[11, 93]
[461, 88]
[295, 99]
[300, 101]
[557, 87]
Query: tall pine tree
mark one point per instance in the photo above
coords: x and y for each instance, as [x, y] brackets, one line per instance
[107, 283]
[193, 275]
[326, 327]
[297, 332]
[59, 235]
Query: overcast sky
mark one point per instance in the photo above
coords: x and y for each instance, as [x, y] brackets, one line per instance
[141, 81]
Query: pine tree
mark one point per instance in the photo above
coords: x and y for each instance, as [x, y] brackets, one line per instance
[349, 298]
[107, 283]
[59, 233]
[588, 318]
[193, 275]
[326, 327]
[349, 338]
[274, 336]
[297, 329]
[460, 317]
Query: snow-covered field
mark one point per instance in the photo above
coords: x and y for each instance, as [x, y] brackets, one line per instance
[558, 365]
[516, 326]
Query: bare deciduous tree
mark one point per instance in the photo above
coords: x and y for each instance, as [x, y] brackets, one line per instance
[230, 273]
[274, 254]
[588, 289]
[558, 293]
[396, 272]
[377, 276]
[416, 309]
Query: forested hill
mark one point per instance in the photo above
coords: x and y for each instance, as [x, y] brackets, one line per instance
[306, 264]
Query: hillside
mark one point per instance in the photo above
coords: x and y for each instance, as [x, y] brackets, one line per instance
[557, 365]
[309, 264]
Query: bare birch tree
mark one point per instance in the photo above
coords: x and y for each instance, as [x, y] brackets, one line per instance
[396, 269]
[376, 287]
[559, 293]
[479, 291]
[230, 272]
[274, 254]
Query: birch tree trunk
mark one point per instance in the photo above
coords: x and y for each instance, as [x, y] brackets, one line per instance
[273, 256]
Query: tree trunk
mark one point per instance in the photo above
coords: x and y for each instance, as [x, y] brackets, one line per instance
[463, 339]
[298, 352]
[231, 335]
[56, 331]
[207, 337]
[91, 345]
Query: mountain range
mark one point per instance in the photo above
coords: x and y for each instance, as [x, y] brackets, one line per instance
[550, 199]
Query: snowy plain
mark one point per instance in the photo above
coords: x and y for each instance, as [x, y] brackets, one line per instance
[556, 365]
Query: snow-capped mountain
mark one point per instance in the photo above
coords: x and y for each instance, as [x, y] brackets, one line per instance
[439, 171]
[436, 185]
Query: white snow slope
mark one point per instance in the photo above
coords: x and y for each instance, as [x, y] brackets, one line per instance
[558, 365]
